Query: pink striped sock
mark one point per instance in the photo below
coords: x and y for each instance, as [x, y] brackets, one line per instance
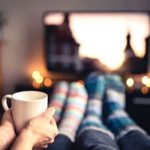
[59, 98]
[74, 112]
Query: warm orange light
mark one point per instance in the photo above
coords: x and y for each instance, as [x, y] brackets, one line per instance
[81, 81]
[130, 82]
[47, 82]
[144, 90]
[144, 80]
[131, 89]
[148, 83]
[40, 80]
[36, 85]
[36, 74]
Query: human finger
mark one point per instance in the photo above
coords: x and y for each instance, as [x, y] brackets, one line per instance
[49, 113]
[53, 122]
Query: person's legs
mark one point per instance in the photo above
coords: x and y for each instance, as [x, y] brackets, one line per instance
[92, 133]
[62, 142]
[128, 134]
[134, 140]
[73, 114]
[94, 139]
[58, 99]
[74, 111]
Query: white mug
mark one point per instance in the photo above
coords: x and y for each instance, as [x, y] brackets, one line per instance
[25, 105]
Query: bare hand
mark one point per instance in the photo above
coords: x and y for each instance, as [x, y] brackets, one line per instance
[43, 128]
[8, 131]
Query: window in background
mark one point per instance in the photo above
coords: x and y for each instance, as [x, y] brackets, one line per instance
[101, 36]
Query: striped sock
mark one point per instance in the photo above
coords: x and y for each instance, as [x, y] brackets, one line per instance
[74, 112]
[58, 98]
[92, 119]
[118, 120]
[95, 85]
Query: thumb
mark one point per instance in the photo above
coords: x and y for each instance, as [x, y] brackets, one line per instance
[49, 113]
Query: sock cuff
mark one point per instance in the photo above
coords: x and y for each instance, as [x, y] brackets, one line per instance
[129, 129]
[107, 132]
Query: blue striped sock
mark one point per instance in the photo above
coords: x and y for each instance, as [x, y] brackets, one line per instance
[93, 114]
[92, 119]
[95, 85]
[118, 121]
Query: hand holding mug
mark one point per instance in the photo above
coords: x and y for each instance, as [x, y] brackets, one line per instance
[43, 127]
[32, 120]
[40, 131]
[25, 105]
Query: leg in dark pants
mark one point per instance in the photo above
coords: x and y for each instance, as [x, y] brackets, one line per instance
[62, 142]
[134, 140]
[95, 140]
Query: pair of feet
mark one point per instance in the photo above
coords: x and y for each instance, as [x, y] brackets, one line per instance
[106, 94]
[73, 99]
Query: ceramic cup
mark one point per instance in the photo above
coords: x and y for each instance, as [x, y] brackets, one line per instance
[25, 105]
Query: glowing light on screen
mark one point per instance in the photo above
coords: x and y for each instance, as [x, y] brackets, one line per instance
[103, 35]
